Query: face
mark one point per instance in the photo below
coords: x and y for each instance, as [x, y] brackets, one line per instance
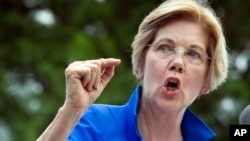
[175, 80]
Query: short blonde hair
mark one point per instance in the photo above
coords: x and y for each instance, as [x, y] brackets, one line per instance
[189, 10]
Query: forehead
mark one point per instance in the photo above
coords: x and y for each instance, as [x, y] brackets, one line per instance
[183, 33]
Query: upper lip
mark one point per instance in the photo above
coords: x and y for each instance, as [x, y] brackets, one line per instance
[173, 79]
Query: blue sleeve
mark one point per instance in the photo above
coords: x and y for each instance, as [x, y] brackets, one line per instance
[90, 127]
[100, 123]
[104, 122]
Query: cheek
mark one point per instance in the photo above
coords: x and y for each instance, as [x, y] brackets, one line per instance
[195, 79]
[152, 75]
[153, 68]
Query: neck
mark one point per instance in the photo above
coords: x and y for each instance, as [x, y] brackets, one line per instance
[159, 125]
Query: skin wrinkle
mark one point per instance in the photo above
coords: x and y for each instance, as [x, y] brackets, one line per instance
[160, 116]
[161, 108]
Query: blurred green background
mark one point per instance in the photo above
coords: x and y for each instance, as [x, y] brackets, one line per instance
[39, 38]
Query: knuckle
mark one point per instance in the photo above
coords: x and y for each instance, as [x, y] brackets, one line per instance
[87, 70]
[83, 67]
[98, 63]
[68, 72]
[95, 67]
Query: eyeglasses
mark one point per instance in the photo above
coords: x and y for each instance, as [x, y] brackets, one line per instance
[194, 55]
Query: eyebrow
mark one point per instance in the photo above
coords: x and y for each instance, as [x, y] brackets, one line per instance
[192, 46]
[166, 40]
[196, 47]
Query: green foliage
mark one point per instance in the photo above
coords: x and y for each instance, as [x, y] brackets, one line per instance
[34, 55]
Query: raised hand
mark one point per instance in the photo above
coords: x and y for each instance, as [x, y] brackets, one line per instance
[85, 80]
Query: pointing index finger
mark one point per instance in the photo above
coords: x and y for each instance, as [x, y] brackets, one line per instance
[108, 66]
[105, 63]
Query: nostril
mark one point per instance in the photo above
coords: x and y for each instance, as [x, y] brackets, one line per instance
[180, 69]
[173, 68]
[176, 68]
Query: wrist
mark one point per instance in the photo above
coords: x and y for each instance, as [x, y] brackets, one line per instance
[72, 112]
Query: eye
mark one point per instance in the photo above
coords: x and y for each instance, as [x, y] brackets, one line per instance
[164, 48]
[194, 54]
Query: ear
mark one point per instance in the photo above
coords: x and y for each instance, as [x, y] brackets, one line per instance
[139, 74]
[204, 90]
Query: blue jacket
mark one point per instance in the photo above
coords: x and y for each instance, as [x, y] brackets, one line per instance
[104, 122]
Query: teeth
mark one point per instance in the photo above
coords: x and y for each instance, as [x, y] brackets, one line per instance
[172, 84]
[172, 80]
[171, 88]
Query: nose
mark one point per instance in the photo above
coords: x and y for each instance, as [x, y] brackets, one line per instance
[177, 64]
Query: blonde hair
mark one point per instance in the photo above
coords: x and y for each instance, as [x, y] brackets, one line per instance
[189, 10]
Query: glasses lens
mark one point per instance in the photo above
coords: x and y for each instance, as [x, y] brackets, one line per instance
[194, 56]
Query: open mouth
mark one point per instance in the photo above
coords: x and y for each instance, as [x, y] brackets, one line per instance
[172, 84]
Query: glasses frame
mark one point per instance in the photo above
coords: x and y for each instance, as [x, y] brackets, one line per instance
[184, 53]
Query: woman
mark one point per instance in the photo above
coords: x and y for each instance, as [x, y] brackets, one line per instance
[179, 53]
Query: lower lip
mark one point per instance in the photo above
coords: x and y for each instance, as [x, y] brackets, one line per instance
[171, 93]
